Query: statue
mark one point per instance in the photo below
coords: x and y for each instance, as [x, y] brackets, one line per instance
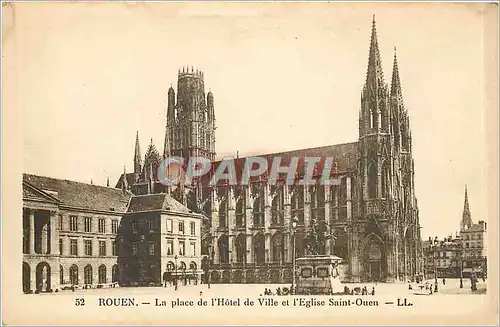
[316, 240]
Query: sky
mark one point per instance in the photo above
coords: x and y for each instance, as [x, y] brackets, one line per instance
[284, 77]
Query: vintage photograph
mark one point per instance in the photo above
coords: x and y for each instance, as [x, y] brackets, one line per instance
[183, 159]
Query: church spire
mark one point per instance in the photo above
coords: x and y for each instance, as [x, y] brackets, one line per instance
[396, 82]
[137, 155]
[466, 216]
[374, 74]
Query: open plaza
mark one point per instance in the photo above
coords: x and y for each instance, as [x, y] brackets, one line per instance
[451, 287]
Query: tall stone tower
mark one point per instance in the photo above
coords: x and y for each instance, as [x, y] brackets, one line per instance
[190, 119]
[387, 231]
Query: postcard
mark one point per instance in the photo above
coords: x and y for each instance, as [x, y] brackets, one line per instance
[266, 163]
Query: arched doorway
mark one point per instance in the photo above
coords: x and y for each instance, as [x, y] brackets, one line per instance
[87, 275]
[102, 274]
[61, 275]
[73, 275]
[43, 282]
[26, 277]
[373, 263]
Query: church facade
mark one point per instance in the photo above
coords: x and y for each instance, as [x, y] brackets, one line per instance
[370, 219]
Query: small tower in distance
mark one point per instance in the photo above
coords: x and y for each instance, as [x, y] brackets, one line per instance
[466, 216]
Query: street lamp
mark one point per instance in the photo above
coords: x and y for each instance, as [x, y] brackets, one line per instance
[294, 229]
[434, 247]
[175, 258]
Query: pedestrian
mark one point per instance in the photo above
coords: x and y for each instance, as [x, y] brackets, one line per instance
[165, 277]
[409, 286]
[278, 291]
[373, 290]
[365, 291]
[444, 281]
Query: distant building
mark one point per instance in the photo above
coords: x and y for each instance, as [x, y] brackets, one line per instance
[77, 234]
[443, 258]
[466, 252]
[474, 239]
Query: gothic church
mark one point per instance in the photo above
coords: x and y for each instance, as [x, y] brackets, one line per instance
[371, 219]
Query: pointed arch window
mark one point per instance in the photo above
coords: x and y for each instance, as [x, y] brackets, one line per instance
[223, 214]
[318, 203]
[259, 249]
[241, 248]
[258, 212]
[373, 118]
[277, 210]
[372, 181]
[278, 248]
[240, 213]
[224, 249]
[297, 204]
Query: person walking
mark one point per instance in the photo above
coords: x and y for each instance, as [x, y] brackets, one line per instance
[165, 278]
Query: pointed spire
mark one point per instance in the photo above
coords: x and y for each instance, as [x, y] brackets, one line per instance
[107, 182]
[137, 155]
[396, 82]
[374, 74]
[466, 216]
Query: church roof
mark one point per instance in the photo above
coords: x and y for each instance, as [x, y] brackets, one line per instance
[81, 195]
[130, 180]
[344, 159]
[156, 202]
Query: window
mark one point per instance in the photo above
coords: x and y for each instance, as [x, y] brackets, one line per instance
[87, 274]
[170, 247]
[134, 226]
[114, 247]
[182, 248]
[73, 247]
[102, 274]
[193, 228]
[102, 225]
[73, 223]
[114, 226]
[60, 222]
[88, 224]
[102, 248]
[88, 247]
[193, 249]
[151, 226]
[134, 249]
[181, 227]
[60, 246]
[151, 249]
[169, 226]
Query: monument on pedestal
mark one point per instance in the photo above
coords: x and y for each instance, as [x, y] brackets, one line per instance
[318, 273]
